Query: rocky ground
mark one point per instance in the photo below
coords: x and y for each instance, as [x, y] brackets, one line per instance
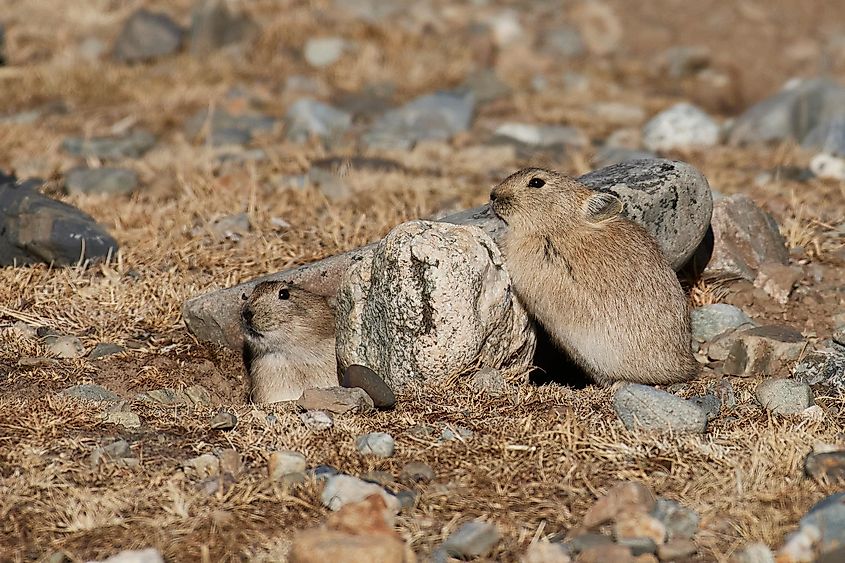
[203, 146]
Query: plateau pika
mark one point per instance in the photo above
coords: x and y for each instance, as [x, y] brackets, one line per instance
[596, 281]
[289, 342]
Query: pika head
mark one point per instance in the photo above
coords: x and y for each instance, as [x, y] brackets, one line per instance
[530, 198]
[277, 308]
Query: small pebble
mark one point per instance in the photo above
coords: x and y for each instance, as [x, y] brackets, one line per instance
[366, 379]
[65, 347]
[380, 444]
[283, 463]
[784, 396]
[223, 420]
[104, 349]
[344, 489]
[316, 421]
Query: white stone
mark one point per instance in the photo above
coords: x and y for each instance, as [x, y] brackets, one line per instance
[431, 300]
[828, 166]
[284, 463]
[149, 555]
[344, 489]
[683, 126]
[323, 51]
[380, 444]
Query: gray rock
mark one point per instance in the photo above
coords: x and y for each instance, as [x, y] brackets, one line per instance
[146, 36]
[229, 137]
[101, 180]
[316, 421]
[321, 52]
[308, 118]
[366, 379]
[114, 452]
[710, 321]
[766, 350]
[455, 432]
[90, 392]
[683, 126]
[432, 117]
[680, 522]
[826, 466]
[792, 113]
[133, 145]
[433, 299]
[344, 489]
[745, 237]
[824, 367]
[828, 136]
[127, 419]
[379, 444]
[149, 555]
[35, 229]
[104, 349]
[223, 420]
[583, 542]
[542, 135]
[784, 396]
[472, 539]
[284, 463]
[214, 26]
[642, 406]
[489, 381]
[827, 519]
[220, 124]
[337, 400]
[92, 49]
[194, 395]
[709, 403]
[671, 200]
[66, 347]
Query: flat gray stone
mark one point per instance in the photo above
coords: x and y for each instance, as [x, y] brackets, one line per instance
[104, 349]
[709, 321]
[147, 35]
[647, 408]
[379, 444]
[311, 118]
[132, 145]
[431, 117]
[784, 396]
[792, 113]
[472, 539]
[542, 135]
[214, 26]
[90, 392]
[101, 180]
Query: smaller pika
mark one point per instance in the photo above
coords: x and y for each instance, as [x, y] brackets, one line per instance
[596, 281]
[289, 342]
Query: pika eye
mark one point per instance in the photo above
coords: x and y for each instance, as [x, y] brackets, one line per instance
[536, 183]
[284, 294]
[243, 296]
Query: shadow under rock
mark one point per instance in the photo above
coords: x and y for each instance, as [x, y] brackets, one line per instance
[553, 366]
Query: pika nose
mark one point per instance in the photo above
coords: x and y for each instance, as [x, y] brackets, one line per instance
[247, 314]
[493, 196]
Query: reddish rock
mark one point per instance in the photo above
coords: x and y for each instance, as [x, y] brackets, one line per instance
[332, 546]
[767, 350]
[629, 497]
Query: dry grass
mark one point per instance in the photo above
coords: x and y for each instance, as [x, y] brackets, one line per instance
[537, 459]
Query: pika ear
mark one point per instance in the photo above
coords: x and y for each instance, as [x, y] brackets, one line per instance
[601, 207]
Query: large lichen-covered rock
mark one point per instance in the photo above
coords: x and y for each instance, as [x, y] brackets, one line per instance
[431, 300]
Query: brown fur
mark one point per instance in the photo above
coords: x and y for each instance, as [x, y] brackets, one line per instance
[289, 344]
[595, 281]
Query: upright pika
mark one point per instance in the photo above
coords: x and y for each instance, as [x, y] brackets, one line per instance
[289, 342]
[596, 281]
